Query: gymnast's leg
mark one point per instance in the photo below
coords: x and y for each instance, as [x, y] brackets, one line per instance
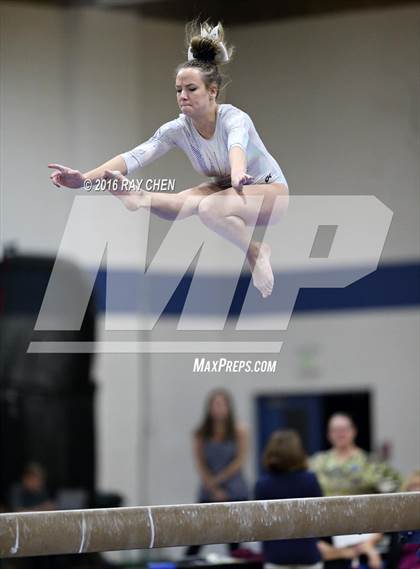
[225, 212]
[167, 206]
[229, 214]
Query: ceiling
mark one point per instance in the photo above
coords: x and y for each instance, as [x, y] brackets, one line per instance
[233, 12]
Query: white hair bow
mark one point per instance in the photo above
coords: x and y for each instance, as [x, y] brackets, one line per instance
[212, 33]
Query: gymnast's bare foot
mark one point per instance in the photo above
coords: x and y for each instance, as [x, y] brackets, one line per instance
[132, 201]
[119, 188]
[262, 273]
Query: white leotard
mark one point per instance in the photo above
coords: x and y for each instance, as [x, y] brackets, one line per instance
[211, 156]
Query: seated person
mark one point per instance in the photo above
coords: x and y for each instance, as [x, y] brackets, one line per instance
[344, 552]
[405, 555]
[31, 493]
[287, 477]
[347, 469]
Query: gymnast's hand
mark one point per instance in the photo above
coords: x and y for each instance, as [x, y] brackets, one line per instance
[67, 177]
[241, 179]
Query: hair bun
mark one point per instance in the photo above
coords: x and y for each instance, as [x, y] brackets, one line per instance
[208, 45]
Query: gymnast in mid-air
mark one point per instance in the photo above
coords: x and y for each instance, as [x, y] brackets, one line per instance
[222, 143]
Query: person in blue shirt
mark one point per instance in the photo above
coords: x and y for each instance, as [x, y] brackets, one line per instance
[220, 452]
[287, 477]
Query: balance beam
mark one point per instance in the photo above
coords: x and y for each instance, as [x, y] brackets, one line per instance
[27, 534]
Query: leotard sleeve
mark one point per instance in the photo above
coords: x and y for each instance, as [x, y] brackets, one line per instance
[157, 145]
[237, 125]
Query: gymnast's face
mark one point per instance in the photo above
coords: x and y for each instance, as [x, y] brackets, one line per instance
[193, 96]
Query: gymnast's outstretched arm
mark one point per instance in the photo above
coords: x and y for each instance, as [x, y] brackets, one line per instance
[64, 176]
[126, 163]
[116, 163]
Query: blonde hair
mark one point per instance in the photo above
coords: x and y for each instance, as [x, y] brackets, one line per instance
[206, 51]
[207, 43]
